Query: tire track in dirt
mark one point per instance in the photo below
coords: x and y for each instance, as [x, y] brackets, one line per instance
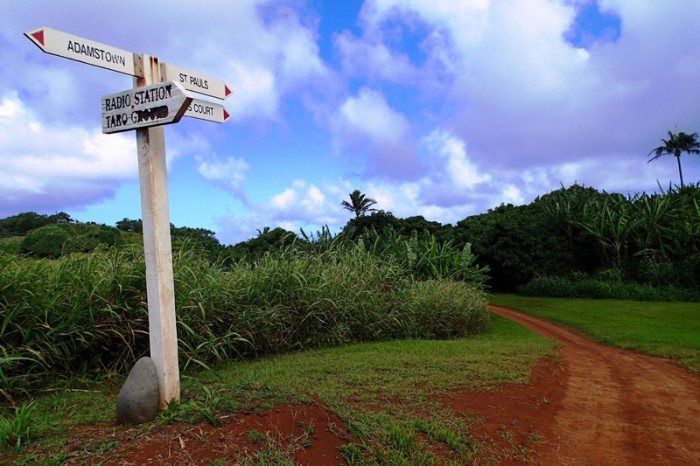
[619, 407]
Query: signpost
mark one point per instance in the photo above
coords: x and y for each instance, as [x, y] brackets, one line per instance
[151, 104]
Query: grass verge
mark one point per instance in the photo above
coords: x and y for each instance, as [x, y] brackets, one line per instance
[666, 329]
[384, 392]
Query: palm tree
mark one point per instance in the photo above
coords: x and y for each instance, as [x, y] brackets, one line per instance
[359, 203]
[677, 144]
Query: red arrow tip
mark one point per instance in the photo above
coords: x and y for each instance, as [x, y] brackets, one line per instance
[39, 36]
[226, 115]
[227, 91]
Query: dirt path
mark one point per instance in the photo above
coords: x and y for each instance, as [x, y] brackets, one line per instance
[619, 407]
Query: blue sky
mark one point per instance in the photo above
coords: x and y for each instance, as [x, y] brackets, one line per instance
[440, 108]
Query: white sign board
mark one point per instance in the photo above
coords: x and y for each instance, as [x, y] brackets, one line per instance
[207, 111]
[83, 50]
[195, 82]
[142, 107]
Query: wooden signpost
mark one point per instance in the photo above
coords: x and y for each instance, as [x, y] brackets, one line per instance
[151, 104]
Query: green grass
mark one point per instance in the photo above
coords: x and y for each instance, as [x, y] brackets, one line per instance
[666, 329]
[385, 393]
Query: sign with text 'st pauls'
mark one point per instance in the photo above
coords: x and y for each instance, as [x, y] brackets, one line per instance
[141, 107]
[195, 81]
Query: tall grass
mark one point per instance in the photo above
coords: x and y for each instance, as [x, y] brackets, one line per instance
[87, 314]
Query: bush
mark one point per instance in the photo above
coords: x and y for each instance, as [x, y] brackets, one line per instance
[585, 287]
[445, 309]
[45, 242]
[86, 315]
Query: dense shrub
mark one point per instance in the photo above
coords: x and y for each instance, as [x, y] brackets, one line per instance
[87, 314]
[584, 286]
[445, 309]
[45, 242]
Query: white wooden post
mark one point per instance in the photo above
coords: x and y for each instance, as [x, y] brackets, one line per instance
[157, 246]
[152, 171]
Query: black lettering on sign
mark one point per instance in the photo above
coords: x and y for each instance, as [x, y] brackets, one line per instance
[114, 121]
[150, 114]
[183, 77]
[203, 109]
[94, 52]
[117, 102]
[199, 82]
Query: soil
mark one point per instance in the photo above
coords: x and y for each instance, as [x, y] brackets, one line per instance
[594, 405]
[618, 407]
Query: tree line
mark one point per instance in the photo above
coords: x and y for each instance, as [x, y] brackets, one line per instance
[646, 238]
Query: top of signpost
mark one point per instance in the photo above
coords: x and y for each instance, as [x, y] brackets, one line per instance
[84, 50]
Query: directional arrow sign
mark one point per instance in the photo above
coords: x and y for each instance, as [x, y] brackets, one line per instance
[207, 111]
[141, 107]
[195, 82]
[84, 50]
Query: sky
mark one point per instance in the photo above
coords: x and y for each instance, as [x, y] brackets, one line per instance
[439, 108]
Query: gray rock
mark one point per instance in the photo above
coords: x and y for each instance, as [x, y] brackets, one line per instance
[139, 397]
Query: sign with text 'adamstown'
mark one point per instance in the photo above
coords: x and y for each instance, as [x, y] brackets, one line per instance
[141, 107]
[84, 50]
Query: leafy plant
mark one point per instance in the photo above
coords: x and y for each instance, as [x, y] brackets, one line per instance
[16, 429]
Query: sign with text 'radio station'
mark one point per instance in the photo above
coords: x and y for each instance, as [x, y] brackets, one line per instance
[142, 107]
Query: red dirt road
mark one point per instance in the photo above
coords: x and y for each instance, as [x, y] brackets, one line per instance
[618, 407]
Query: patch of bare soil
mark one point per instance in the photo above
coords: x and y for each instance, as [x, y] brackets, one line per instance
[619, 407]
[594, 405]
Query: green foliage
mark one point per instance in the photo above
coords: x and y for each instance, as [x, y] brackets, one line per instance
[201, 240]
[359, 204]
[45, 242]
[423, 257]
[87, 238]
[580, 285]
[445, 309]
[86, 314]
[130, 225]
[21, 224]
[677, 144]
[516, 243]
[16, 429]
[267, 241]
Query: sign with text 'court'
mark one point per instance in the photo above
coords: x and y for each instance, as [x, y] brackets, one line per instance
[84, 50]
[208, 111]
[142, 107]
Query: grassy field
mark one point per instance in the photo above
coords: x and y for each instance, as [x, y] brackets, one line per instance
[400, 377]
[670, 330]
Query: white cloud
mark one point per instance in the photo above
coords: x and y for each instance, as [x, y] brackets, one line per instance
[369, 115]
[373, 60]
[228, 173]
[301, 205]
[51, 165]
[457, 167]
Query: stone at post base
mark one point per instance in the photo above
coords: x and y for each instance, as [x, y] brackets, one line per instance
[139, 397]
